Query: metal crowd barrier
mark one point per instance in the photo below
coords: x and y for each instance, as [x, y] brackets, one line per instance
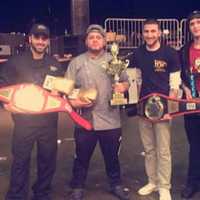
[128, 32]
[185, 34]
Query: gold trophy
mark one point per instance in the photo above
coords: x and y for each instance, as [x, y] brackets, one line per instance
[115, 67]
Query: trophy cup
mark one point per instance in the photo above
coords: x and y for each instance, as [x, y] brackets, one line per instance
[115, 67]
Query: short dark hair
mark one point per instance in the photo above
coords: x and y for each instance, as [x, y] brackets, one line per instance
[152, 21]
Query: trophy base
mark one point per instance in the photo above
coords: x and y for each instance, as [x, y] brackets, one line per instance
[118, 99]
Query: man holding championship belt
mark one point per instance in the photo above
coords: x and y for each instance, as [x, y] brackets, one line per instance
[190, 58]
[160, 73]
[88, 70]
[32, 66]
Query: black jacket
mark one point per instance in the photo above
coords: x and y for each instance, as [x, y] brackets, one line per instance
[184, 58]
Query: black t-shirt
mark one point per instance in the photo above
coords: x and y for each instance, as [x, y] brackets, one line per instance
[156, 67]
[24, 69]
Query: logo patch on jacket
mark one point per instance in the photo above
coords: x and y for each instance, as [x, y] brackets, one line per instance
[53, 68]
[160, 66]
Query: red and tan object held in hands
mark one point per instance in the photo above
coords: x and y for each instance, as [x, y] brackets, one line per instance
[33, 99]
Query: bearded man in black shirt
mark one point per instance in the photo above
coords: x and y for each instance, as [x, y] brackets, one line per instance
[32, 67]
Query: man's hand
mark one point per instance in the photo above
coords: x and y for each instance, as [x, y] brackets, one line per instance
[188, 92]
[167, 117]
[11, 108]
[55, 93]
[173, 93]
[121, 87]
[78, 103]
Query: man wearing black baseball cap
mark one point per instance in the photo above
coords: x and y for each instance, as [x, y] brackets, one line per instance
[190, 58]
[40, 29]
[32, 66]
[39, 39]
[193, 15]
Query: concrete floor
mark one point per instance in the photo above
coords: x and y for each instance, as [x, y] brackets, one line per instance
[132, 161]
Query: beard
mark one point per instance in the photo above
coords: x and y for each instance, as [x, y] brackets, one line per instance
[38, 50]
[153, 44]
[95, 51]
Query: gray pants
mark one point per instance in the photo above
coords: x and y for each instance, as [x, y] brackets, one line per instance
[156, 140]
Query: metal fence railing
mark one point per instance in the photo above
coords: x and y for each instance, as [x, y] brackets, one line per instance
[128, 32]
[185, 34]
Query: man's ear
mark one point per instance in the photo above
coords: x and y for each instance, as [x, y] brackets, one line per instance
[48, 41]
[86, 42]
[29, 39]
[105, 42]
[160, 33]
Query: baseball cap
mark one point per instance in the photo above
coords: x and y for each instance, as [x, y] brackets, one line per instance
[96, 28]
[192, 15]
[39, 29]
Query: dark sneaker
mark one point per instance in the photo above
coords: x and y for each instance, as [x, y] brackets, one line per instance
[77, 194]
[120, 192]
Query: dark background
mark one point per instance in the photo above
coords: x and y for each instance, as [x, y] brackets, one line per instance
[18, 15]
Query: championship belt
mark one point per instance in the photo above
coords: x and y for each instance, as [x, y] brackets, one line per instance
[155, 107]
[33, 99]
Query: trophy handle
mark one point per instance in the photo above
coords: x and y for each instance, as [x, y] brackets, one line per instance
[127, 62]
